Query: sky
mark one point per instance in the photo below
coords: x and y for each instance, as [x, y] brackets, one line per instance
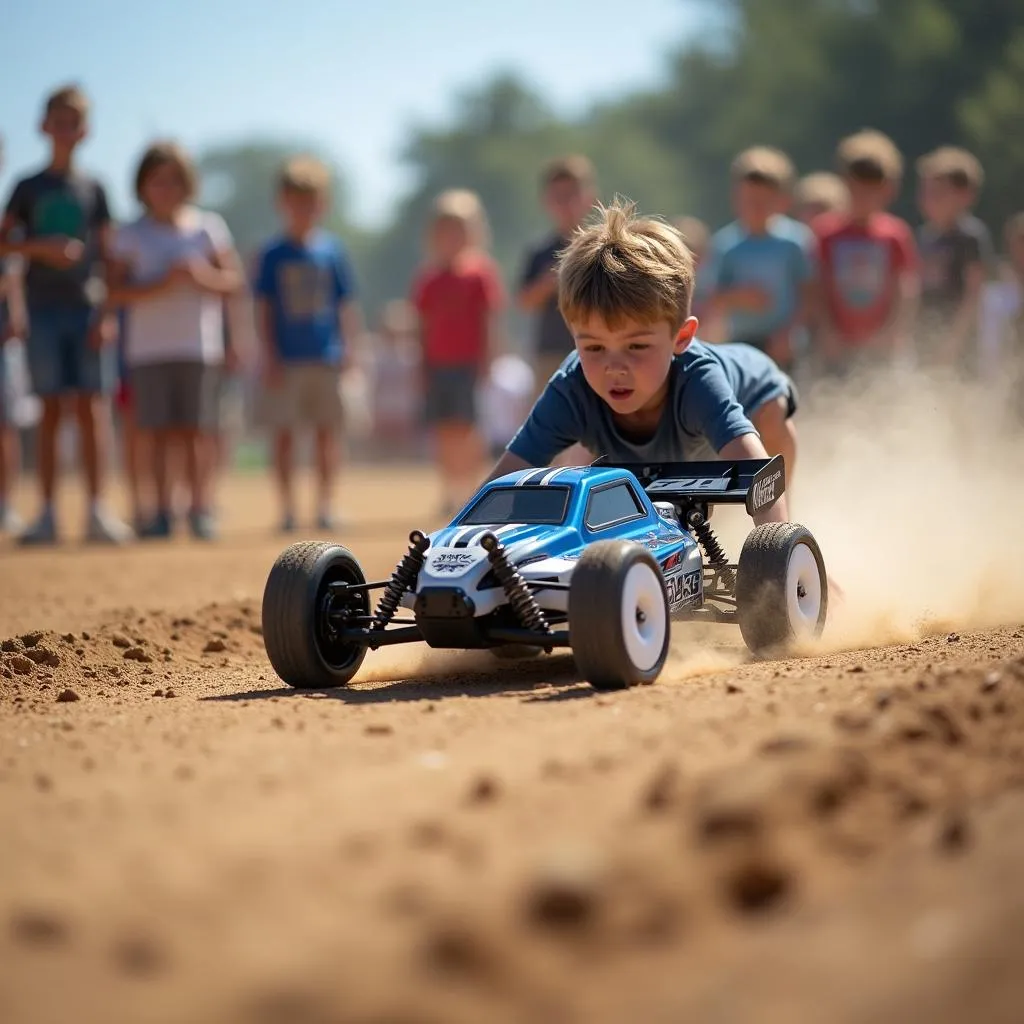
[349, 77]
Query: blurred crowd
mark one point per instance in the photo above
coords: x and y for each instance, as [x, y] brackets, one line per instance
[160, 345]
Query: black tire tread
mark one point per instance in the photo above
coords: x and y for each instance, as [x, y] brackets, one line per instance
[760, 598]
[594, 597]
[288, 615]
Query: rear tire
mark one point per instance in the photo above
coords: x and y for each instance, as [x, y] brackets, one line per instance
[781, 588]
[618, 615]
[296, 634]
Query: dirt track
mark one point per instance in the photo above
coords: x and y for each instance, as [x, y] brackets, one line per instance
[833, 839]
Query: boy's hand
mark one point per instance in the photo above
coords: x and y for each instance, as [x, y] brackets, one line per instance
[103, 332]
[60, 251]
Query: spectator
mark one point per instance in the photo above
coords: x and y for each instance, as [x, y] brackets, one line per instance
[569, 192]
[396, 376]
[134, 456]
[59, 220]
[869, 265]
[1001, 328]
[507, 395]
[956, 253]
[12, 325]
[457, 294]
[759, 271]
[173, 267]
[818, 193]
[308, 321]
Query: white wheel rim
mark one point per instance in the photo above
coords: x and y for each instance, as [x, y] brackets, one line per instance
[644, 618]
[803, 591]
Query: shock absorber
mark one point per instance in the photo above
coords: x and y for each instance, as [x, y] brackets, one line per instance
[713, 550]
[402, 579]
[519, 595]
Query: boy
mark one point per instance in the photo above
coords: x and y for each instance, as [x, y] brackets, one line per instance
[818, 193]
[639, 387]
[868, 260]
[1001, 323]
[62, 220]
[568, 192]
[956, 251]
[307, 321]
[458, 296]
[174, 266]
[759, 271]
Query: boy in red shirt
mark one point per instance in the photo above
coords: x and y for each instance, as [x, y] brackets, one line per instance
[868, 261]
[457, 295]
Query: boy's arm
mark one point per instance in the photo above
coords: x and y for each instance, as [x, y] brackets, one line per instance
[539, 284]
[748, 446]
[966, 316]
[353, 328]
[220, 275]
[508, 463]
[265, 334]
[12, 290]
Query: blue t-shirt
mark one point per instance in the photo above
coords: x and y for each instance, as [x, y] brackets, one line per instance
[713, 391]
[303, 283]
[778, 261]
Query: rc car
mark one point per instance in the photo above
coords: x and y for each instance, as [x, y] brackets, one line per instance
[598, 559]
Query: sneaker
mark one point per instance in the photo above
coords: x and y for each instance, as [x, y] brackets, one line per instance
[157, 528]
[42, 531]
[105, 528]
[203, 525]
[10, 521]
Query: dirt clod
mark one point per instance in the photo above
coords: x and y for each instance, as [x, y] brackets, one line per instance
[215, 645]
[67, 696]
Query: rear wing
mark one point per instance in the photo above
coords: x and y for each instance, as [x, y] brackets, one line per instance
[755, 483]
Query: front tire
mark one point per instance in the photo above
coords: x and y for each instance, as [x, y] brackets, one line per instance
[781, 588]
[618, 615]
[300, 642]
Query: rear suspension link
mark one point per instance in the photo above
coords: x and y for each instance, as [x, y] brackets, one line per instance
[402, 579]
[519, 595]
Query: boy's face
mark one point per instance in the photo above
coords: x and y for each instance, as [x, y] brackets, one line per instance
[164, 191]
[567, 203]
[301, 211]
[870, 197]
[756, 203]
[628, 366]
[940, 201]
[65, 127]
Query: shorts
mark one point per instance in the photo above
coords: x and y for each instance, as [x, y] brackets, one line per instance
[451, 394]
[60, 358]
[175, 396]
[308, 396]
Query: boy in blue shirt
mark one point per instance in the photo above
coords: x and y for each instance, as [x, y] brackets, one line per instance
[639, 387]
[759, 271]
[307, 320]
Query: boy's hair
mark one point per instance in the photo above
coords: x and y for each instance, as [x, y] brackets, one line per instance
[695, 232]
[622, 266]
[67, 97]
[822, 188]
[763, 165]
[869, 156]
[161, 153]
[576, 169]
[304, 175]
[951, 164]
[463, 205]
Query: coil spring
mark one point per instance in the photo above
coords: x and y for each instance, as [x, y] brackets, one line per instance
[519, 595]
[402, 579]
[713, 550]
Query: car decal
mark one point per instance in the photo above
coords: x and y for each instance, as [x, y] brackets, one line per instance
[550, 476]
[528, 476]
